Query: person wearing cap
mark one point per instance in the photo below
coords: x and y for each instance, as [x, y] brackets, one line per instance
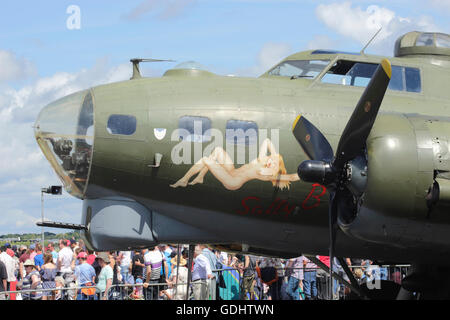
[178, 280]
[85, 277]
[32, 281]
[48, 274]
[9, 251]
[105, 277]
[91, 257]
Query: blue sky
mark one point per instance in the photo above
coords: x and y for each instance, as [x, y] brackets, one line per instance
[42, 60]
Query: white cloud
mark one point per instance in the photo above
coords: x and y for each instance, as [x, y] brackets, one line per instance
[361, 24]
[269, 55]
[25, 103]
[14, 68]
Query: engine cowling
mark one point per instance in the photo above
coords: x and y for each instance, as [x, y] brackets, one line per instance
[406, 169]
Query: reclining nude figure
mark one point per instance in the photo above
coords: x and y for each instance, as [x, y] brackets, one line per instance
[265, 168]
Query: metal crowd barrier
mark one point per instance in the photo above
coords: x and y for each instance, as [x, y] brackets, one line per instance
[234, 283]
[228, 285]
[154, 291]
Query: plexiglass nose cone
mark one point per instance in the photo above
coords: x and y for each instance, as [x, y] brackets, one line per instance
[64, 131]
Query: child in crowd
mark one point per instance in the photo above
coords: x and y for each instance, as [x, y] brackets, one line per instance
[59, 283]
[137, 293]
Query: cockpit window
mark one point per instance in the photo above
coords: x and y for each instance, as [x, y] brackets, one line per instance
[299, 68]
[442, 40]
[122, 124]
[425, 39]
[358, 74]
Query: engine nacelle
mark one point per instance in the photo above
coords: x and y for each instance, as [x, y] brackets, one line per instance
[407, 159]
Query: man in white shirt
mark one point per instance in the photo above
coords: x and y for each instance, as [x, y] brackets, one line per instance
[65, 256]
[202, 272]
[154, 260]
[125, 265]
[10, 265]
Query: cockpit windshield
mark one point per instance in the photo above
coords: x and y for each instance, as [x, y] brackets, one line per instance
[299, 68]
[65, 132]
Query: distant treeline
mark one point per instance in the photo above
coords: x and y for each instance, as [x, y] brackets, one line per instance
[27, 237]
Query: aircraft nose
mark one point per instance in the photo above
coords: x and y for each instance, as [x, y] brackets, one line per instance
[64, 131]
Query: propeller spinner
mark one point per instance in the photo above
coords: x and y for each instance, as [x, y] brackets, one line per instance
[335, 171]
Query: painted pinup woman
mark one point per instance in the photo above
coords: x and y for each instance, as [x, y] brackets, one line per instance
[266, 168]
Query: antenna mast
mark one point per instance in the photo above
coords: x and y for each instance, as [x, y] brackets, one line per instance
[362, 51]
[136, 61]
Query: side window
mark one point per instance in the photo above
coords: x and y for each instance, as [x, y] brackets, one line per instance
[338, 73]
[413, 80]
[241, 132]
[350, 73]
[195, 129]
[358, 74]
[442, 40]
[361, 73]
[299, 68]
[121, 124]
[397, 78]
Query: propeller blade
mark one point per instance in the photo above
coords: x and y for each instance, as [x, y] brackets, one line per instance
[332, 222]
[358, 128]
[312, 141]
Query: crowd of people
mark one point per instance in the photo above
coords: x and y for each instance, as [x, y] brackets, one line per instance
[73, 272]
[301, 279]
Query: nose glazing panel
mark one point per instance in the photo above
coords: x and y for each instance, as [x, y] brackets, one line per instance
[65, 132]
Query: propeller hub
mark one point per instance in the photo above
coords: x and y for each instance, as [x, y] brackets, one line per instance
[356, 175]
[316, 171]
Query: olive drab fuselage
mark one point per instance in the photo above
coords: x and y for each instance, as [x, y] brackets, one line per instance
[210, 188]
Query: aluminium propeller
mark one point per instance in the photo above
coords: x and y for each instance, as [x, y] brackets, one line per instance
[333, 171]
